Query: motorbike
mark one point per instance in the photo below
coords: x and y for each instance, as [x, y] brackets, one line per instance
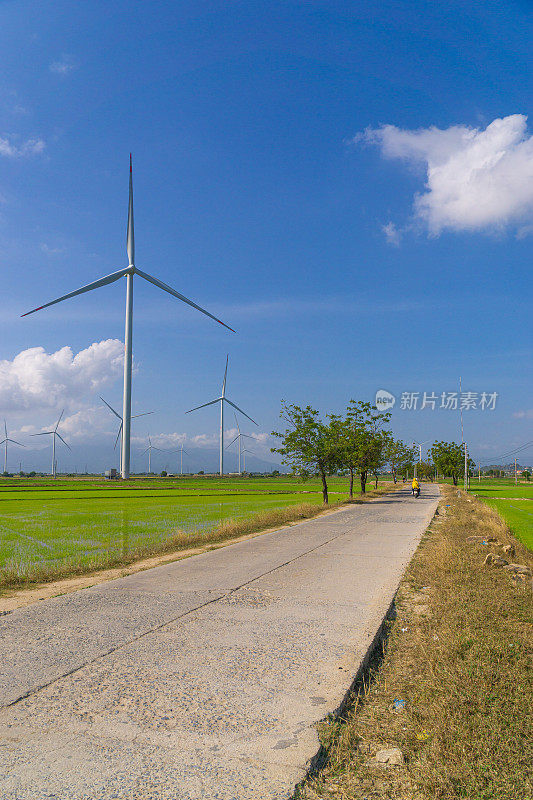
[417, 492]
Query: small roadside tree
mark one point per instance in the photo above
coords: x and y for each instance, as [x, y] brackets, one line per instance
[449, 458]
[425, 470]
[308, 445]
[399, 457]
[361, 440]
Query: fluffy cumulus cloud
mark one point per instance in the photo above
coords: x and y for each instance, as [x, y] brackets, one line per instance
[476, 180]
[37, 380]
[11, 147]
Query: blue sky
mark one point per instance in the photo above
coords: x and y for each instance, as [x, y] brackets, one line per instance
[268, 191]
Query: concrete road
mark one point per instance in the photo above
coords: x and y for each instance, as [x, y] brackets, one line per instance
[204, 678]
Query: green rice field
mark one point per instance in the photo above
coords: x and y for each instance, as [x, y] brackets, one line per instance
[512, 502]
[46, 523]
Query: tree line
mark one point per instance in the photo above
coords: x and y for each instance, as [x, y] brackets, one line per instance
[358, 443]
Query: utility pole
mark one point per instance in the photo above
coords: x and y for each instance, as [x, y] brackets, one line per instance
[466, 470]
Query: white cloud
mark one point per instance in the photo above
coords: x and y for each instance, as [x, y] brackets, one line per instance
[11, 149]
[476, 179]
[172, 441]
[63, 66]
[51, 251]
[38, 380]
[392, 234]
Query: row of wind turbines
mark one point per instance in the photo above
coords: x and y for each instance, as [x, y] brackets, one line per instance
[54, 433]
[125, 418]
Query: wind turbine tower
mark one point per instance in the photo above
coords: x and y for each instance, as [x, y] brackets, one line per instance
[53, 434]
[5, 441]
[119, 434]
[238, 439]
[222, 399]
[128, 273]
[182, 451]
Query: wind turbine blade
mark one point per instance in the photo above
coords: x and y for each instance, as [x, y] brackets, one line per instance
[64, 442]
[145, 451]
[173, 292]
[225, 376]
[14, 442]
[240, 409]
[110, 408]
[144, 414]
[44, 433]
[5, 427]
[59, 420]
[90, 286]
[211, 402]
[229, 445]
[118, 435]
[237, 422]
[130, 238]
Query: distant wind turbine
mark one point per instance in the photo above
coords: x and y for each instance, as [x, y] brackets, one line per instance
[4, 442]
[149, 451]
[244, 451]
[53, 434]
[222, 399]
[238, 438]
[181, 452]
[128, 272]
[134, 416]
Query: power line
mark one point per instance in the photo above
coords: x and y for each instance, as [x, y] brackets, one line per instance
[510, 453]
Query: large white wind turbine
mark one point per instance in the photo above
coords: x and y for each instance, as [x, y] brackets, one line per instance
[128, 272]
[222, 399]
[238, 438]
[4, 442]
[119, 434]
[53, 434]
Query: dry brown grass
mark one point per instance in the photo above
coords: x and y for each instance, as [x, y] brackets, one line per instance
[459, 656]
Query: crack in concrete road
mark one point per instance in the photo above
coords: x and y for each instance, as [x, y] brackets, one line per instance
[164, 624]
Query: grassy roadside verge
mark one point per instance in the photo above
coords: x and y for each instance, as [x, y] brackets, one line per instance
[518, 514]
[453, 690]
[21, 576]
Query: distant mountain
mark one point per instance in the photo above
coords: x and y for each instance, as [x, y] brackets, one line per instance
[96, 459]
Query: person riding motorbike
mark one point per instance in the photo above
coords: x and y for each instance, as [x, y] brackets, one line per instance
[415, 487]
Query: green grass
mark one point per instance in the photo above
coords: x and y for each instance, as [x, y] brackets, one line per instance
[459, 656]
[513, 502]
[518, 514]
[501, 487]
[46, 525]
